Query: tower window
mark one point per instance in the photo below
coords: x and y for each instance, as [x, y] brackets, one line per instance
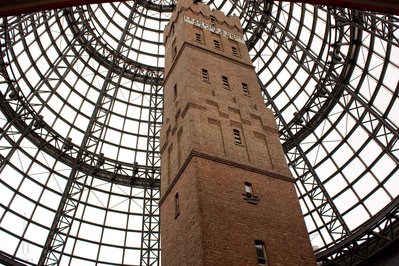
[234, 50]
[248, 189]
[177, 205]
[205, 75]
[175, 90]
[260, 252]
[199, 34]
[198, 37]
[172, 30]
[174, 49]
[237, 136]
[245, 88]
[225, 81]
[216, 43]
[249, 194]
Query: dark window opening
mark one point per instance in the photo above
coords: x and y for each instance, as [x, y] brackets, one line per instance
[177, 205]
[198, 37]
[237, 136]
[172, 30]
[205, 75]
[245, 88]
[260, 252]
[175, 90]
[234, 50]
[174, 48]
[225, 81]
[216, 43]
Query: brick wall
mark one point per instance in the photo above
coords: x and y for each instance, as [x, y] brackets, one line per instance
[217, 226]
[203, 163]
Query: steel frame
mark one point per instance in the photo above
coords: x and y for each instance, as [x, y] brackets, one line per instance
[262, 22]
[349, 247]
[83, 159]
[20, 6]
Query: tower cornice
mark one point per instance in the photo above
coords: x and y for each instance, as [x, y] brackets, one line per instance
[208, 51]
[223, 161]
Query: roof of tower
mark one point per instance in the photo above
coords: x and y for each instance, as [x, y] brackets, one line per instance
[231, 21]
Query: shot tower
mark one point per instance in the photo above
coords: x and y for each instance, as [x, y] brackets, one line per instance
[228, 197]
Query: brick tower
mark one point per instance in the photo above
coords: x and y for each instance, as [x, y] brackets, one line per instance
[228, 197]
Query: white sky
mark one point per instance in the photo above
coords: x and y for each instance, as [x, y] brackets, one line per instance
[111, 214]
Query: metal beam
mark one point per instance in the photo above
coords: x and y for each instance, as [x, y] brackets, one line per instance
[16, 7]
[382, 6]
[8, 260]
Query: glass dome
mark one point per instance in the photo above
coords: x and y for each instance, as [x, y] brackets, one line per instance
[81, 110]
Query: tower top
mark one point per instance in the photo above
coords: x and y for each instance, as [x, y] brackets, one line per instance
[198, 8]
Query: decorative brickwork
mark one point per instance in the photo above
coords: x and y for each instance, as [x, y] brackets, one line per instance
[216, 139]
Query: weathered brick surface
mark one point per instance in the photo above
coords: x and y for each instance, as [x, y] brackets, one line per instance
[230, 224]
[216, 226]
[181, 236]
[202, 162]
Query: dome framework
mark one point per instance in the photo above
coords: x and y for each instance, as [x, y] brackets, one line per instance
[81, 104]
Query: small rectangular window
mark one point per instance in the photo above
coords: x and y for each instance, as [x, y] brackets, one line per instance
[198, 37]
[248, 189]
[177, 205]
[199, 34]
[172, 30]
[249, 194]
[234, 50]
[175, 90]
[174, 49]
[216, 43]
[225, 81]
[245, 88]
[205, 75]
[237, 136]
[260, 252]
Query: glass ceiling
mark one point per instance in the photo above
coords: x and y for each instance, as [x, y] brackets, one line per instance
[81, 102]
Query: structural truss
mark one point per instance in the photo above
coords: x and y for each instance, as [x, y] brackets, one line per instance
[81, 110]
